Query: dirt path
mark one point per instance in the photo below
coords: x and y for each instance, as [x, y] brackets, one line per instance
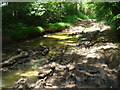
[91, 64]
[84, 57]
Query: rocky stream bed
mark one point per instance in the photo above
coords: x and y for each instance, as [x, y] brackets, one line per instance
[81, 56]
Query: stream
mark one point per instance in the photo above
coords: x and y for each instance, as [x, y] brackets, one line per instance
[79, 54]
[30, 70]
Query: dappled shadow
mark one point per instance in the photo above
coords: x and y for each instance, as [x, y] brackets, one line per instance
[78, 71]
[87, 69]
[79, 57]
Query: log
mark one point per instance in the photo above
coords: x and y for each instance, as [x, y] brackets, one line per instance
[13, 59]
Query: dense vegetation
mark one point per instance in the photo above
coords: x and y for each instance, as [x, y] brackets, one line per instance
[108, 12]
[31, 19]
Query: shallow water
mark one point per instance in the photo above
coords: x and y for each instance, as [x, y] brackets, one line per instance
[31, 70]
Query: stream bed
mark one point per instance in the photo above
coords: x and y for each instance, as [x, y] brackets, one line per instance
[80, 56]
[30, 69]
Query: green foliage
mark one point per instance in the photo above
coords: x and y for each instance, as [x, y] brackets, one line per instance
[83, 16]
[71, 8]
[106, 11]
[70, 18]
[36, 9]
[22, 19]
[58, 25]
[116, 21]
[54, 12]
[116, 17]
[26, 32]
[55, 27]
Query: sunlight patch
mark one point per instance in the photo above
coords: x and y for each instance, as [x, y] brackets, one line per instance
[69, 41]
[30, 74]
[58, 37]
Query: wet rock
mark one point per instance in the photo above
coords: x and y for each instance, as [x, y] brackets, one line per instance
[71, 67]
[45, 52]
[70, 86]
[45, 72]
[43, 75]
[19, 51]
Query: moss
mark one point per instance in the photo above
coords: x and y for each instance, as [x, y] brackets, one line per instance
[27, 32]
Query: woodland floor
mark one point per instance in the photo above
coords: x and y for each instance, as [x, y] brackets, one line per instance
[84, 56]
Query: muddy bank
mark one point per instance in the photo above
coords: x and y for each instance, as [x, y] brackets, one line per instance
[9, 41]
